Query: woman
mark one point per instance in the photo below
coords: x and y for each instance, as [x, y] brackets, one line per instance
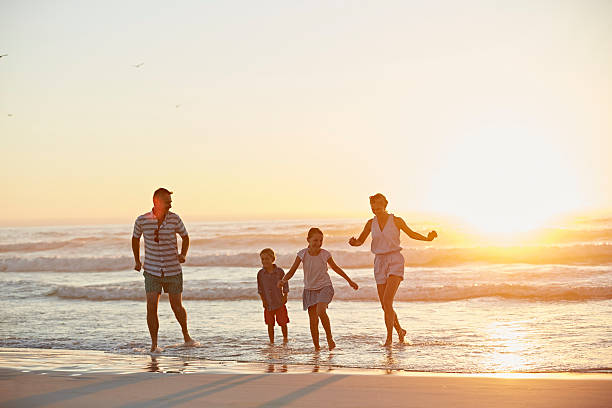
[389, 262]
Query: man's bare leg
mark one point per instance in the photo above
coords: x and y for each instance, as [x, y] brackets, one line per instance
[181, 315]
[152, 320]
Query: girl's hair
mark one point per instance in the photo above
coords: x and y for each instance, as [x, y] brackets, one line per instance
[268, 251]
[313, 231]
[378, 196]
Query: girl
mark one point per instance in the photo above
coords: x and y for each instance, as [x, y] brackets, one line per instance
[318, 289]
[389, 262]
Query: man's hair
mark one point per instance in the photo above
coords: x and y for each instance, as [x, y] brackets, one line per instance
[268, 251]
[313, 231]
[378, 196]
[161, 191]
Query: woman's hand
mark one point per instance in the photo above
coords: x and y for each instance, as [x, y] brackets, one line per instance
[353, 285]
[432, 235]
[354, 242]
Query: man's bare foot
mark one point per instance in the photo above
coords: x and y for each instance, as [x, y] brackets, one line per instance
[191, 343]
[402, 335]
[156, 350]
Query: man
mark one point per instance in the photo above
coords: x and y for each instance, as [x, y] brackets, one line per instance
[162, 265]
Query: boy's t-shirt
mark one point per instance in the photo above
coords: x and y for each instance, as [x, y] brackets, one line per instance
[266, 286]
[315, 269]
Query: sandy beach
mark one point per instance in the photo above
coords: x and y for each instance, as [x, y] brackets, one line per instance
[46, 378]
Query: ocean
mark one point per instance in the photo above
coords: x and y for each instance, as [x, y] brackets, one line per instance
[540, 302]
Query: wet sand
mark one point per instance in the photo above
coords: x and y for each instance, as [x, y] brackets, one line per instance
[65, 378]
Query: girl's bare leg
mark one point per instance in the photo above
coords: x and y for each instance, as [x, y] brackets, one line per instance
[314, 326]
[322, 313]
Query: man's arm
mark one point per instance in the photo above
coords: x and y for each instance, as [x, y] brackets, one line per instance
[401, 224]
[184, 248]
[182, 231]
[364, 234]
[136, 251]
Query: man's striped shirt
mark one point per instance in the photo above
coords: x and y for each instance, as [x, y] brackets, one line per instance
[161, 258]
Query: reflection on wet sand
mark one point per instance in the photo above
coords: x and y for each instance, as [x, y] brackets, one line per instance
[317, 363]
[153, 366]
[277, 368]
[389, 361]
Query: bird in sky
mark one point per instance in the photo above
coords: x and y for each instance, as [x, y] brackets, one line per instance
[138, 65]
[5, 55]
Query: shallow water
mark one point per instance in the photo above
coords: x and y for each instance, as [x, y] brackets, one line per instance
[72, 288]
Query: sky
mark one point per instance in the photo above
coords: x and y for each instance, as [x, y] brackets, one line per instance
[497, 113]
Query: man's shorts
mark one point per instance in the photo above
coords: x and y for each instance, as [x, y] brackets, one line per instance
[388, 264]
[282, 318]
[170, 284]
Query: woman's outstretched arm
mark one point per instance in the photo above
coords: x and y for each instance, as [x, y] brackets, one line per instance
[364, 234]
[401, 224]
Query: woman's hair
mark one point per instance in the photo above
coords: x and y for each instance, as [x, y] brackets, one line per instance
[313, 231]
[378, 196]
[268, 251]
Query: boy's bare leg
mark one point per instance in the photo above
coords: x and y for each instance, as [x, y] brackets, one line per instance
[322, 313]
[396, 324]
[152, 319]
[285, 333]
[393, 283]
[271, 333]
[181, 315]
[314, 326]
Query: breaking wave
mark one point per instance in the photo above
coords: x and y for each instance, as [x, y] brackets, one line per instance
[587, 254]
[135, 291]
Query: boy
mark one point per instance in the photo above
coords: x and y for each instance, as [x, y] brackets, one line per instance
[273, 298]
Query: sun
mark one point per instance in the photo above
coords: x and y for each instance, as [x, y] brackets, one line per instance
[504, 180]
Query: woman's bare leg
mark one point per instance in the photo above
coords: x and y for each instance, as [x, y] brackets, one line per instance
[396, 324]
[392, 285]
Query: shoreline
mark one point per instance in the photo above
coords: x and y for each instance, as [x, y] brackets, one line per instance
[67, 378]
[80, 362]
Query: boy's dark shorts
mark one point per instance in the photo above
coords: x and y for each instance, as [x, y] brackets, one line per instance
[170, 284]
[281, 315]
